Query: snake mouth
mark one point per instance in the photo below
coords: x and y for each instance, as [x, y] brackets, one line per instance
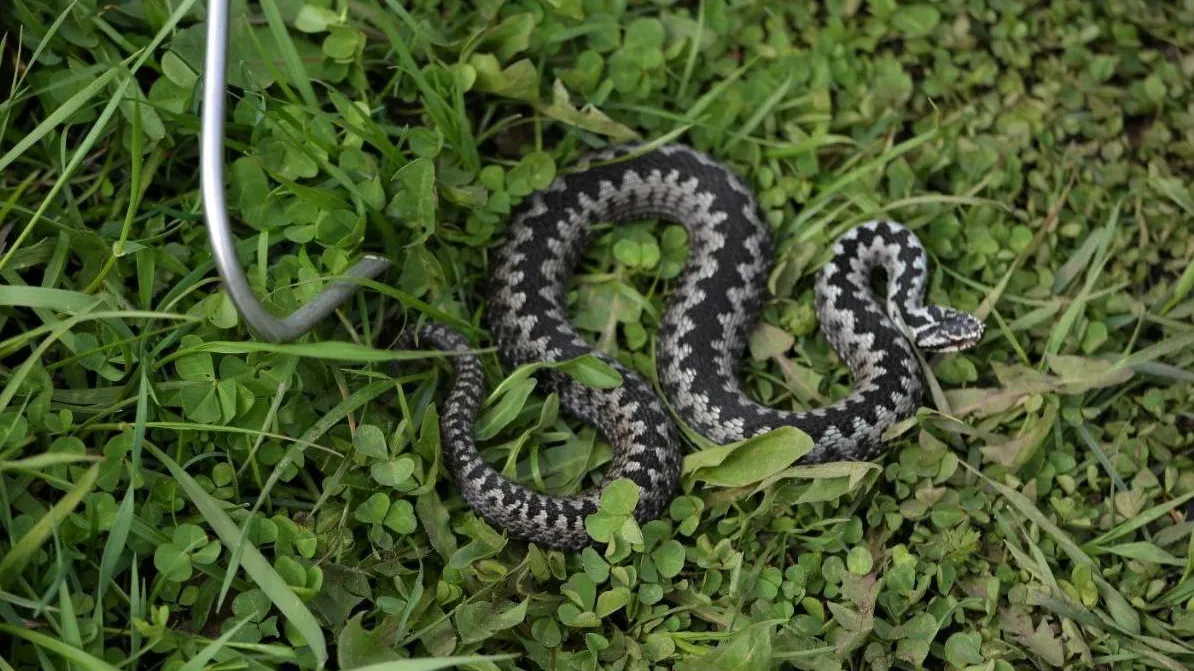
[960, 332]
[954, 347]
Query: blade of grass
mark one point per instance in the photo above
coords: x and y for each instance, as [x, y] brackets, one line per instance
[822, 199]
[324, 350]
[1075, 309]
[1026, 508]
[690, 62]
[255, 564]
[1158, 350]
[111, 318]
[290, 54]
[1174, 190]
[135, 192]
[58, 300]
[1160, 659]
[1122, 611]
[432, 663]
[13, 198]
[807, 145]
[122, 524]
[714, 94]
[22, 371]
[1072, 268]
[1181, 288]
[68, 652]
[1164, 370]
[436, 105]
[354, 401]
[41, 461]
[19, 74]
[117, 538]
[137, 608]
[189, 426]
[81, 152]
[759, 115]
[1136, 522]
[209, 651]
[12, 564]
[285, 373]
[1101, 455]
[67, 622]
[58, 116]
[1180, 593]
[97, 129]
[1047, 226]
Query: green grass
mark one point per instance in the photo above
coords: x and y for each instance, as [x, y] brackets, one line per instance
[175, 494]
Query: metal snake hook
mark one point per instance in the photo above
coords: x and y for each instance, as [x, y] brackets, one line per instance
[211, 158]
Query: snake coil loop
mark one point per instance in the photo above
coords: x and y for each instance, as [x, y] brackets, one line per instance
[701, 337]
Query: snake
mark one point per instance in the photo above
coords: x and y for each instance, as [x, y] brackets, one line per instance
[701, 335]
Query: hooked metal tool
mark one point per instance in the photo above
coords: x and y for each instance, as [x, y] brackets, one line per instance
[211, 157]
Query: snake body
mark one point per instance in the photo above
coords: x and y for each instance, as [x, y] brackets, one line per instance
[701, 336]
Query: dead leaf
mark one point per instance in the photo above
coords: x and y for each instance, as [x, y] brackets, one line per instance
[589, 118]
[1081, 374]
[1018, 451]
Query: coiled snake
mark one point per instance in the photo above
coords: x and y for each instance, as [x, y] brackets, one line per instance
[701, 335]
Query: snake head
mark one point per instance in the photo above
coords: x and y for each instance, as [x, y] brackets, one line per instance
[948, 330]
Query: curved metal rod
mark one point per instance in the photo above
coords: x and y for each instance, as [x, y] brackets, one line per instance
[211, 157]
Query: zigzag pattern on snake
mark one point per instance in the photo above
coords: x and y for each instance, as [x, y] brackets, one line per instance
[701, 336]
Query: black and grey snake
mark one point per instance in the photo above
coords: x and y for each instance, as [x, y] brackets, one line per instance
[701, 335]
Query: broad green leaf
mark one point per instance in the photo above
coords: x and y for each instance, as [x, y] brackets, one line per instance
[767, 341]
[315, 19]
[750, 461]
[669, 558]
[620, 497]
[581, 590]
[595, 565]
[426, 143]
[393, 472]
[173, 562]
[505, 410]
[916, 20]
[415, 202]
[534, 172]
[519, 80]
[480, 620]
[574, 617]
[401, 517]
[593, 372]
[610, 602]
[371, 442]
[373, 510]
[748, 649]
[512, 35]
